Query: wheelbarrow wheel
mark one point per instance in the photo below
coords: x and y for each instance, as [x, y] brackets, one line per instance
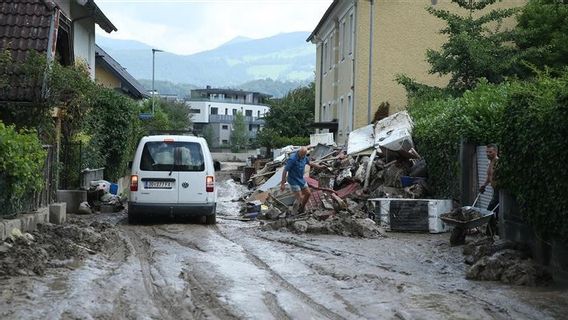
[457, 237]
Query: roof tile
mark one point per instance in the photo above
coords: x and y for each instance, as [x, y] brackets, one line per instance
[24, 26]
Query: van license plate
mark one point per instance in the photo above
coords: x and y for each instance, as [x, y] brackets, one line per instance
[159, 184]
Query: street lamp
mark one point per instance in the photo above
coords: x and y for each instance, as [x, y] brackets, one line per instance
[153, 71]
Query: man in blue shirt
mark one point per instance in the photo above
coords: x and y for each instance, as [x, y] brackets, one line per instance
[294, 174]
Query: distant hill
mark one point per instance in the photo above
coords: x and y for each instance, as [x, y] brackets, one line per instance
[168, 87]
[283, 58]
[277, 89]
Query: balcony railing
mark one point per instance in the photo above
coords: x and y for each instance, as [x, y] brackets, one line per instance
[225, 118]
[236, 101]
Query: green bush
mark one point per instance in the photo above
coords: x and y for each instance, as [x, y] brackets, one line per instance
[440, 125]
[533, 153]
[22, 158]
[111, 132]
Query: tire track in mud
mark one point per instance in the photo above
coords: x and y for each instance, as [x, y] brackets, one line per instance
[327, 313]
[335, 252]
[204, 303]
[181, 242]
[168, 306]
[275, 309]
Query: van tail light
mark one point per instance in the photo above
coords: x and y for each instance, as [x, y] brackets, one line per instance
[210, 184]
[133, 183]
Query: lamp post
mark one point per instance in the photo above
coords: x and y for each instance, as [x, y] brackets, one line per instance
[153, 71]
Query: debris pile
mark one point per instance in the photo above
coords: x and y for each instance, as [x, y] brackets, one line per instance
[102, 196]
[505, 261]
[379, 161]
[53, 246]
[463, 214]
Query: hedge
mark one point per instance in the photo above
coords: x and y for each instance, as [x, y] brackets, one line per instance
[441, 124]
[22, 159]
[534, 153]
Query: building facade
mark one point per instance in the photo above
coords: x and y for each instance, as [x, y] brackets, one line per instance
[362, 45]
[213, 112]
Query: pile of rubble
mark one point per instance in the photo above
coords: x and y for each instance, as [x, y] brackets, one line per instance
[53, 246]
[505, 261]
[379, 161]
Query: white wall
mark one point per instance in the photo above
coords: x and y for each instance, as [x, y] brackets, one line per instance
[205, 108]
[84, 43]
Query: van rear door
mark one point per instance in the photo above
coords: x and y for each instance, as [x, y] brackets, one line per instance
[158, 178]
[192, 173]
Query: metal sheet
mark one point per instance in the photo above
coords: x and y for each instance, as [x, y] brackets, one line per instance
[361, 139]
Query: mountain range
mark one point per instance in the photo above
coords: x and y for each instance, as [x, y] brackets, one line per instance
[274, 64]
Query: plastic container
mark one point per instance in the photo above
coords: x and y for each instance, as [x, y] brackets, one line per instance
[406, 181]
[113, 188]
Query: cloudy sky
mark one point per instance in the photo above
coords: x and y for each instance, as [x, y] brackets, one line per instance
[189, 26]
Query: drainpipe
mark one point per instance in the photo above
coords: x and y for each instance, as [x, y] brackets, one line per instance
[321, 82]
[370, 61]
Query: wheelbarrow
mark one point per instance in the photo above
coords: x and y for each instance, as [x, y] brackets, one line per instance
[461, 227]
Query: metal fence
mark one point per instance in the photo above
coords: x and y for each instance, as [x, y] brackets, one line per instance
[32, 200]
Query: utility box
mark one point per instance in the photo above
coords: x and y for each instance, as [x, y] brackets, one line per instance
[411, 215]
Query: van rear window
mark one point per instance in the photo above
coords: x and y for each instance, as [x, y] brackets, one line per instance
[172, 156]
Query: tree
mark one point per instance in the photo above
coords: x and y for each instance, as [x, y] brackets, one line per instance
[542, 34]
[209, 136]
[239, 136]
[289, 117]
[168, 115]
[476, 46]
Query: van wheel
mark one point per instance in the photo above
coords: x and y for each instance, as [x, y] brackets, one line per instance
[132, 219]
[211, 219]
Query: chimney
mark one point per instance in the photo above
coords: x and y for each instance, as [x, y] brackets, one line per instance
[208, 87]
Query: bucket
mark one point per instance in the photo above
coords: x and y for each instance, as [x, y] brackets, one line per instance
[406, 181]
[113, 188]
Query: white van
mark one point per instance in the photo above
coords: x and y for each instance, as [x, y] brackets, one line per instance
[172, 176]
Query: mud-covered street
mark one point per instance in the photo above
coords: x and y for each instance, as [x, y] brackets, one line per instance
[234, 270]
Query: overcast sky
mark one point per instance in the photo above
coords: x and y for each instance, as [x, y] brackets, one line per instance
[189, 26]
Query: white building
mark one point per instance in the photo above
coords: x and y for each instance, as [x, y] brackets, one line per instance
[216, 108]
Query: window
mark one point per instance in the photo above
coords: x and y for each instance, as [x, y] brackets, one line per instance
[248, 113]
[225, 141]
[331, 53]
[172, 156]
[258, 113]
[194, 111]
[214, 110]
[323, 114]
[325, 56]
[343, 39]
[234, 112]
[226, 111]
[351, 33]
[225, 127]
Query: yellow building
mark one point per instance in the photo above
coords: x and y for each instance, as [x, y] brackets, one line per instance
[362, 45]
[110, 74]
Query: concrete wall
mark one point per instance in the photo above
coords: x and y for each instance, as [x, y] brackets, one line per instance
[233, 157]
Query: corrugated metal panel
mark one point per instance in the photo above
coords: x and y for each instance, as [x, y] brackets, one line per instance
[482, 164]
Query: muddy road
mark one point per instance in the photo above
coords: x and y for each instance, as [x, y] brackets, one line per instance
[233, 270]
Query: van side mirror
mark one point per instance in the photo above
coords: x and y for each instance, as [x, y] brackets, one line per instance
[217, 165]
